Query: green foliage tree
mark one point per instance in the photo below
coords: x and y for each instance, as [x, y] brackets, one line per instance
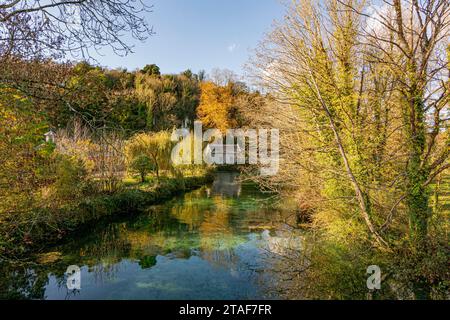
[151, 70]
[23, 154]
[101, 98]
[150, 151]
[143, 165]
[170, 99]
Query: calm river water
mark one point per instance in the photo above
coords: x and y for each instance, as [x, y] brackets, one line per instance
[217, 242]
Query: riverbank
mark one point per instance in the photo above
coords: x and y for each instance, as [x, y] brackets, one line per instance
[203, 244]
[51, 226]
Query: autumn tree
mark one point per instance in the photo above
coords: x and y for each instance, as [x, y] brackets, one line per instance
[412, 38]
[36, 34]
[36, 85]
[362, 106]
[147, 152]
[219, 105]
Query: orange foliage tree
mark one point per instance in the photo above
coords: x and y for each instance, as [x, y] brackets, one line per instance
[217, 106]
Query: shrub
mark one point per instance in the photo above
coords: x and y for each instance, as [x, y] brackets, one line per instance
[142, 165]
[71, 178]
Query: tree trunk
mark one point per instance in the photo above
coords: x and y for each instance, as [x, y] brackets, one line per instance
[417, 202]
[417, 196]
[157, 172]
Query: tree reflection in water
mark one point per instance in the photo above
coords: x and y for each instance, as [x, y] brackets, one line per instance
[208, 244]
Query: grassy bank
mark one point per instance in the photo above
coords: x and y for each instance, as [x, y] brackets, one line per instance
[20, 237]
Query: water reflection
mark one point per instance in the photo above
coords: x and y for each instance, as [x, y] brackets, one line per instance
[208, 244]
[228, 185]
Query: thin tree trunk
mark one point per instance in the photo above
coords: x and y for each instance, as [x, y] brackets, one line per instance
[358, 191]
[363, 202]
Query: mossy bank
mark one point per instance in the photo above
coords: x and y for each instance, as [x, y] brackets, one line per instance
[18, 238]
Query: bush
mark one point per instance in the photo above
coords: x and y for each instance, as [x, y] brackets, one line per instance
[142, 165]
[71, 178]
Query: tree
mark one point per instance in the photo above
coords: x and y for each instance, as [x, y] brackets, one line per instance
[223, 77]
[353, 101]
[103, 98]
[59, 28]
[150, 150]
[216, 106]
[21, 134]
[362, 106]
[36, 85]
[87, 93]
[151, 70]
[170, 99]
[188, 74]
[415, 36]
[143, 165]
[35, 34]
[201, 76]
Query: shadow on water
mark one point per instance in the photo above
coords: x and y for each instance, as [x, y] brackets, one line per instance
[208, 244]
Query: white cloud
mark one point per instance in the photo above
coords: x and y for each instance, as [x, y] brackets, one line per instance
[232, 47]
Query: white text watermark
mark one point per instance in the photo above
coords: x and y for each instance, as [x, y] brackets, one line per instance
[234, 147]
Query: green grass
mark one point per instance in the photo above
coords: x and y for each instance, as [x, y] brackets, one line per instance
[444, 197]
[151, 181]
[443, 194]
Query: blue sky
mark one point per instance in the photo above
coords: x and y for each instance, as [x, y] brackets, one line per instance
[200, 34]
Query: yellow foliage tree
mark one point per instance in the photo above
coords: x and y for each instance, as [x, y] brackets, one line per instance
[155, 147]
[216, 107]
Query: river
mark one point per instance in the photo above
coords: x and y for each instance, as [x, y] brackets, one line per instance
[218, 242]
